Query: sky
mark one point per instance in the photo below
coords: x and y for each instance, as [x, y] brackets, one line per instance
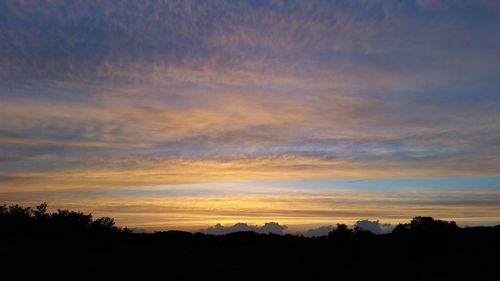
[186, 114]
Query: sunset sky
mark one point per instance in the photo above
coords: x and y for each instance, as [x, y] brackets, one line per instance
[184, 114]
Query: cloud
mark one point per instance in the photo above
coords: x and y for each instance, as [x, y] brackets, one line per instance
[140, 230]
[113, 95]
[319, 231]
[268, 227]
[374, 226]
[50, 171]
[299, 206]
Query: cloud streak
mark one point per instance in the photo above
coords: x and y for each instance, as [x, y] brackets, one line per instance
[109, 95]
[196, 206]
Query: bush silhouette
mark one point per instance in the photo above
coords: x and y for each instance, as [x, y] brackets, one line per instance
[341, 232]
[104, 224]
[426, 225]
[18, 219]
[93, 247]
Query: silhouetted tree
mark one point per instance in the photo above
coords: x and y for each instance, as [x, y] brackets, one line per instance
[18, 212]
[40, 211]
[360, 232]
[417, 250]
[426, 225]
[341, 231]
[104, 224]
[18, 219]
[70, 220]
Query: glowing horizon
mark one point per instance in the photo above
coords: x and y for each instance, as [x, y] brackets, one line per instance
[186, 114]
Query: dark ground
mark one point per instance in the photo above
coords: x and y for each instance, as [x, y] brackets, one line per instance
[472, 254]
[425, 249]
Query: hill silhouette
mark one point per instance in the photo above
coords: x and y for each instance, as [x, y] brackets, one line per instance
[75, 246]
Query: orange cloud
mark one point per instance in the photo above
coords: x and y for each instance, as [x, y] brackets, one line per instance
[299, 209]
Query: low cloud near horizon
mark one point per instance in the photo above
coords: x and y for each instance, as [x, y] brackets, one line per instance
[320, 231]
[268, 227]
[376, 227]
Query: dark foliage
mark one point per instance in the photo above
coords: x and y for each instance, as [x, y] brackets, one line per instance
[71, 245]
[16, 219]
[342, 231]
[427, 226]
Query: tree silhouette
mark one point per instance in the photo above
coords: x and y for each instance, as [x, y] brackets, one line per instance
[40, 211]
[426, 225]
[18, 219]
[342, 231]
[104, 224]
[418, 250]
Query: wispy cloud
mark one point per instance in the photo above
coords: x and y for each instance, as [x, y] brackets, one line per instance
[134, 94]
[196, 206]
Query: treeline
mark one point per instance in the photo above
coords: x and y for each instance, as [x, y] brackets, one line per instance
[18, 219]
[72, 245]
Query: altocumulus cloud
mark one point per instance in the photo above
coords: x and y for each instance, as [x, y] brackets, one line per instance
[100, 96]
[268, 227]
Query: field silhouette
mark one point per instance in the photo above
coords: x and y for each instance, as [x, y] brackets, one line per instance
[75, 246]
